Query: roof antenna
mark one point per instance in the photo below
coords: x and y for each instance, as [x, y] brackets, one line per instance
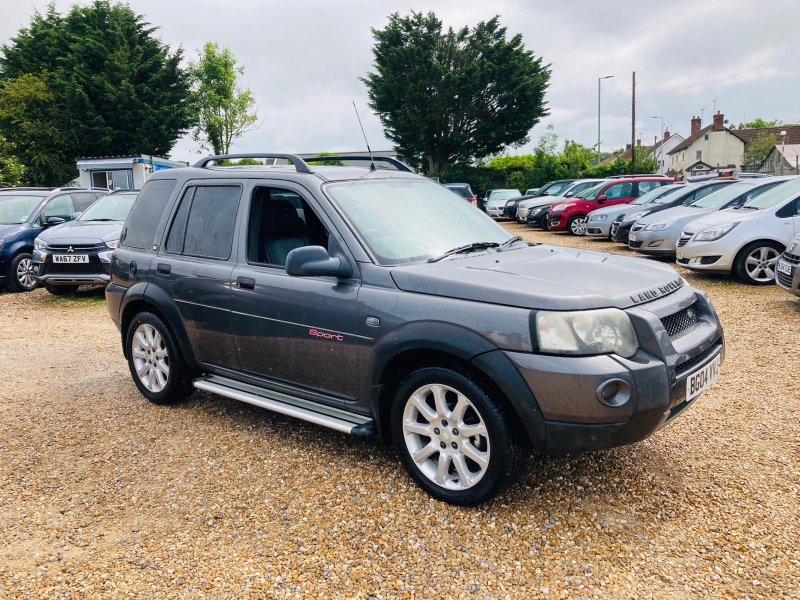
[371, 160]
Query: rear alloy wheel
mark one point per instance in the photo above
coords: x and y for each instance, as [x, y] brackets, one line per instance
[755, 264]
[577, 225]
[23, 274]
[454, 441]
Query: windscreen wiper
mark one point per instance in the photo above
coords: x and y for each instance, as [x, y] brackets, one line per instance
[508, 242]
[463, 249]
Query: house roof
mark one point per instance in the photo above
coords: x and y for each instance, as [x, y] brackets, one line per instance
[699, 163]
[660, 143]
[791, 152]
[748, 136]
[626, 155]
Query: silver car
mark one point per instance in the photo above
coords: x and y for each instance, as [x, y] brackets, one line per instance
[600, 220]
[496, 202]
[657, 234]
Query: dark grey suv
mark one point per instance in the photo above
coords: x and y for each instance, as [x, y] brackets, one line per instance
[377, 303]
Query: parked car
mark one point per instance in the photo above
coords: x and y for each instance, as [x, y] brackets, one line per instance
[534, 210]
[571, 216]
[79, 252]
[622, 225]
[496, 201]
[554, 188]
[26, 212]
[464, 190]
[511, 206]
[443, 335]
[658, 233]
[531, 191]
[600, 220]
[746, 240]
[787, 267]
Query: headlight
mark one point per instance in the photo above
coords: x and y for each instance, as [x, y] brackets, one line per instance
[635, 216]
[586, 332]
[38, 244]
[659, 226]
[714, 233]
[536, 210]
[112, 244]
[558, 208]
[598, 217]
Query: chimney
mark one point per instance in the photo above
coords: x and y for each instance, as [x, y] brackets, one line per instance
[719, 122]
[638, 142]
[695, 125]
[627, 147]
[666, 134]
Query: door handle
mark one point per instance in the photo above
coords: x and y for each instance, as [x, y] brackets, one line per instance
[164, 269]
[245, 283]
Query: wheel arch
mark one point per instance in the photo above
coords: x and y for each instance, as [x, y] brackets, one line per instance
[746, 245]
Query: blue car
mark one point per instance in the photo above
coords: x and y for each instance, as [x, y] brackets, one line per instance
[24, 214]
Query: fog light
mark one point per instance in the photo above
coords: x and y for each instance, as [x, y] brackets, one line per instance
[613, 393]
[655, 244]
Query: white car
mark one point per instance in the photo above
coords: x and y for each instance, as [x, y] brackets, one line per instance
[496, 201]
[746, 240]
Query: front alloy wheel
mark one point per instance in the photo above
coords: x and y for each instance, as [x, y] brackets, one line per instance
[23, 274]
[577, 225]
[454, 436]
[756, 263]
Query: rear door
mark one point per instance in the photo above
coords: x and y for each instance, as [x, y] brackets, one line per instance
[619, 193]
[642, 187]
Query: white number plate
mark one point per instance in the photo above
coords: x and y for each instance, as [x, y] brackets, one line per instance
[70, 258]
[784, 267]
[699, 381]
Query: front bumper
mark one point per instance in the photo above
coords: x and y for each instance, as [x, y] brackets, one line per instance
[714, 256]
[557, 221]
[496, 211]
[565, 387]
[598, 228]
[94, 272]
[789, 281]
[659, 243]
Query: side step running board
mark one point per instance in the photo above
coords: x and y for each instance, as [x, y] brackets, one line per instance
[327, 416]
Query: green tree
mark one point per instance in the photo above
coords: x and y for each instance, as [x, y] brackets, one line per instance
[225, 112]
[759, 123]
[12, 172]
[758, 150]
[447, 97]
[98, 82]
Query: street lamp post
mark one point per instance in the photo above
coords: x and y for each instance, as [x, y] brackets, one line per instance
[783, 149]
[660, 146]
[599, 79]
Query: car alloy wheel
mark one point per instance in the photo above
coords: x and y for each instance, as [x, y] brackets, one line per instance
[26, 274]
[760, 264]
[446, 437]
[577, 226]
[150, 358]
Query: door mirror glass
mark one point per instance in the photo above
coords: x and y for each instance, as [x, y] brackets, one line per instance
[314, 261]
[53, 221]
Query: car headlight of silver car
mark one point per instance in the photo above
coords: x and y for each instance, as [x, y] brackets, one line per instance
[38, 244]
[586, 332]
[537, 210]
[598, 217]
[714, 233]
[659, 226]
[635, 216]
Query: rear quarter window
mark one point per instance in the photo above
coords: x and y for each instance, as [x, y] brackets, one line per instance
[140, 227]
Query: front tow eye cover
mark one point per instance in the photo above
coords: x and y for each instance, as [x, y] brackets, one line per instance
[613, 393]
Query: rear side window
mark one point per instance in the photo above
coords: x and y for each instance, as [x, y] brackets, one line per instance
[140, 227]
[204, 222]
[648, 186]
[83, 200]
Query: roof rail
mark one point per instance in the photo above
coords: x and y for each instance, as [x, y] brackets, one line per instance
[27, 189]
[399, 165]
[298, 162]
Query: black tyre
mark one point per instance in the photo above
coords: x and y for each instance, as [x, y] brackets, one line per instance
[577, 225]
[61, 290]
[543, 222]
[155, 361]
[755, 264]
[22, 275]
[455, 441]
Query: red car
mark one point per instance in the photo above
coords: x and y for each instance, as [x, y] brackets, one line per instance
[570, 215]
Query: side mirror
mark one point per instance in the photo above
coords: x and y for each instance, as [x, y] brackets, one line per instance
[601, 199]
[53, 221]
[311, 261]
[569, 195]
[75, 215]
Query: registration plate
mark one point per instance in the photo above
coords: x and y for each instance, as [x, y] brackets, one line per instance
[699, 381]
[784, 267]
[70, 258]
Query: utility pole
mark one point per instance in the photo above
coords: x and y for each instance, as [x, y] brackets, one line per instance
[599, 79]
[633, 123]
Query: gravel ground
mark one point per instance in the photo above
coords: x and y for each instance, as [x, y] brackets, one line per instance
[105, 495]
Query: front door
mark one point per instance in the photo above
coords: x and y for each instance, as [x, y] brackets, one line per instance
[619, 193]
[298, 331]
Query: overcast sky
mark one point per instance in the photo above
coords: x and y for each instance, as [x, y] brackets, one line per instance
[303, 60]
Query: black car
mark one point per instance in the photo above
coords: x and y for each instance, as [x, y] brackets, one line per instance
[511, 205]
[386, 306]
[621, 226]
[79, 252]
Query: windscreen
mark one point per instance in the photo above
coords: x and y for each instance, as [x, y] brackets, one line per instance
[110, 208]
[685, 190]
[411, 220]
[776, 195]
[16, 209]
[554, 189]
[655, 194]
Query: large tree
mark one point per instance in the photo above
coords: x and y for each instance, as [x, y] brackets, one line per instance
[451, 96]
[97, 82]
[224, 110]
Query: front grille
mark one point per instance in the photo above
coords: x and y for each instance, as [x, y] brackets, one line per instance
[632, 244]
[790, 258]
[677, 324]
[683, 240]
[784, 279]
[76, 248]
[614, 228]
[688, 365]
